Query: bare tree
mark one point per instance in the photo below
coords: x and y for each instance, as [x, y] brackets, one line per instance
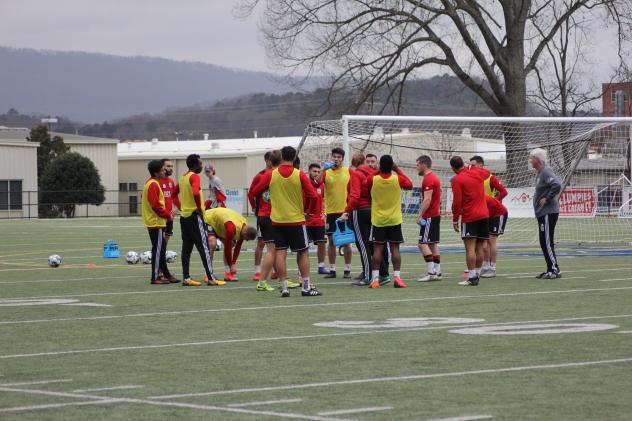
[375, 46]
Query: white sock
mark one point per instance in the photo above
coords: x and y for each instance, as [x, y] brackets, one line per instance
[347, 267]
[478, 271]
[273, 271]
[492, 265]
[430, 267]
[226, 269]
[472, 273]
[284, 285]
[306, 285]
[321, 264]
[437, 267]
[257, 268]
[332, 268]
[375, 274]
[397, 274]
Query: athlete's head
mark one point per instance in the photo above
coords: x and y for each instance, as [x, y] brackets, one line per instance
[338, 156]
[168, 166]
[371, 161]
[275, 158]
[477, 161]
[456, 163]
[209, 170]
[248, 233]
[288, 154]
[156, 169]
[194, 163]
[386, 164]
[297, 163]
[424, 164]
[537, 158]
[266, 158]
[357, 160]
[314, 171]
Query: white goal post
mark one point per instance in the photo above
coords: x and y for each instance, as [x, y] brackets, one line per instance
[591, 156]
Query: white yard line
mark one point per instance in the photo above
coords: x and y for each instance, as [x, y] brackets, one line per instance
[624, 331]
[286, 306]
[612, 280]
[35, 382]
[465, 418]
[398, 378]
[356, 410]
[258, 403]
[103, 389]
[297, 337]
[56, 405]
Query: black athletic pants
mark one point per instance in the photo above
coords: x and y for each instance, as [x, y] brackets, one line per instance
[158, 250]
[546, 228]
[360, 223]
[194, 233]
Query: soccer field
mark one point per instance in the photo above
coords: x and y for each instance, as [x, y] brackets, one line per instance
[93, 339]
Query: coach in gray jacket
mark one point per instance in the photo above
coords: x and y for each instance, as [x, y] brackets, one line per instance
[547, 210]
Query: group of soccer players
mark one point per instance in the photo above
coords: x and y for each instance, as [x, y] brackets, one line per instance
[295, 209]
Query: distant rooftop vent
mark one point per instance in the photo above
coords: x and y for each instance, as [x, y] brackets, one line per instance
[205, 136]
[214, 146]
[154, 141]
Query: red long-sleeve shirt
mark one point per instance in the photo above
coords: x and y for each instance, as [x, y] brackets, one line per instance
[168, 187]
[359, 195]
[495, 184]
[404, 182]
[494, 207]
[260, 206]
[468, 197]
[230, 256]
[153, 197]
[316, 219]
[309, 194]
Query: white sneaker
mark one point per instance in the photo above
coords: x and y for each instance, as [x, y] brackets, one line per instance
[429, 278]
[488, 273]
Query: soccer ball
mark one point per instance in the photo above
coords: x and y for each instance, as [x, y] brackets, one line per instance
[171, 256]
[219, 245]
[145, 257]
[54, 260]
[132, 257]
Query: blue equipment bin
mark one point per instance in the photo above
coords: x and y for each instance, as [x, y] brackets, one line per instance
[111, 250]
[343, 235]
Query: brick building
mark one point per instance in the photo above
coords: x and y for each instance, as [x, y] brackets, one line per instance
[609, 99]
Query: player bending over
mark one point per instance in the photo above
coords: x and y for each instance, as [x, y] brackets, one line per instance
[386, 217]
[497, 221]
[232, 228]
[429, 219]
[469, 205]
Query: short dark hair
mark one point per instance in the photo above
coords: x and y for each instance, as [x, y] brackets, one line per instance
[338, 151]
[266, 157]
[425, 159]
[456, 162]
[193, 161]
[370, 155]
[275, 158]
[479, 159]
[314, 165]
[386, 164]
[297, 163]
[251, 234]
[154, 166]
[288, 153]
[163, 160]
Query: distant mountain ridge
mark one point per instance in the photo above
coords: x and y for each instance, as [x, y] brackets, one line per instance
[92, 87]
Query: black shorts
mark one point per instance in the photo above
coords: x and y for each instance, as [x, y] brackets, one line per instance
[169, 229]
[497, 225]
[293, 237]
[476, 229]
[265, 231]
[381, 235]
[331, 222]
[429, 233]
[316, 234]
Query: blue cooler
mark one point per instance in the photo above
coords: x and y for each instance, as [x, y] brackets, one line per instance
[343, 235]
[111, 250]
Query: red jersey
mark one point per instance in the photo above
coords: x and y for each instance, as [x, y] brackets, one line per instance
[168, 186]
[316, 219]
[497, 186]
[260, 204]
[494, 207]
[431, 183]
[469, 197]
[359, 195]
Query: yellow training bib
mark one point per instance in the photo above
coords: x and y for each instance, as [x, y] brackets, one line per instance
[150, 218]
[336, 182]
[286, 197]
[187, 201]
[218, 217]
[386, 199]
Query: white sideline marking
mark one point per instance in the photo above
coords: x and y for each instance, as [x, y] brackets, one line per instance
[66, 280]
[35, 382]
[57, 405]
[464, 418]
[257, 403]
[325, 304]
[284, 338]
[612, 280]
[396, 378]
[103, 389]
[88, 305]
[356, 410]
[624, 331]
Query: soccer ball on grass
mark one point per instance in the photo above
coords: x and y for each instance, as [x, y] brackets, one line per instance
[132, 257]
[54, 260]
[145, 257]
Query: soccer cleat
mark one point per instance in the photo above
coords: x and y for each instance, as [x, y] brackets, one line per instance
[256, 277]
[551, 275]
[384, 280]
[488, 273]
[470, 282]
[359, 277]
[274, 275]
[374, 284]
[230, 277]
[439, 277]
[540, 276]
[190, 283]
[159, 281]
[263, 286]
[214, 282]
[398, 283]
[173, 280]
[285, 293]
[322, 271]
[312, 292]
[330, 275]
[346, 274]
[431, 277]
[361, 283]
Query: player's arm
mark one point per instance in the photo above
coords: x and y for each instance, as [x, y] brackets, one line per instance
[425, 203]
[553, 186]
[236, 252]
[404, 182]
[251, 197]
[355, 188]
[262, 184]
[195, 188]
[321, 177]
[456, 203]
[231, 231]
[176, 197]
[495, 184]
[309, 194]
[153, 197]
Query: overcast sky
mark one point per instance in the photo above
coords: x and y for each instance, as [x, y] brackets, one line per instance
[193, 30]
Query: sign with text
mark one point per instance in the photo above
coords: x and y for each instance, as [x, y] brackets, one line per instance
[578, 202]
[235, 199]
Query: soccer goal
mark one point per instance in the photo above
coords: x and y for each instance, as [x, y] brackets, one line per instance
[590, 155]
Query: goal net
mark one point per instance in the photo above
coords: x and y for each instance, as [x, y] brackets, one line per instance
[591, 156]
